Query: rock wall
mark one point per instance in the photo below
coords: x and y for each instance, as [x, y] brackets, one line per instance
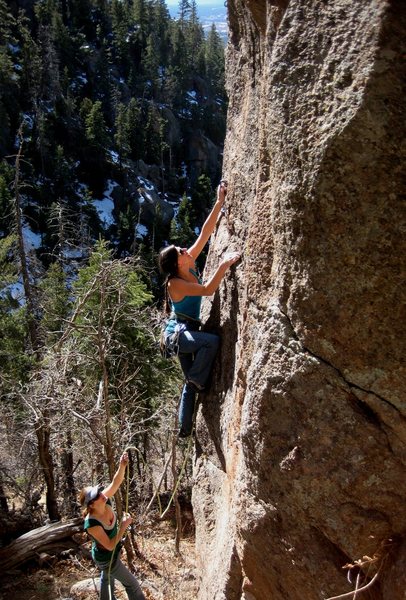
[300, 445]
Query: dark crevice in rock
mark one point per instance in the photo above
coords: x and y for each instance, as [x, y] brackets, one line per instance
[335, 553]
[233, 587]
[340, 559]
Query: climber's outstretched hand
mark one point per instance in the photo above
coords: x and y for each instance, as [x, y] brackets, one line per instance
[230, 258]
[222, 191]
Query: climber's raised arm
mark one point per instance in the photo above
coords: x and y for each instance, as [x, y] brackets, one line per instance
[178, 288]
[210, 222]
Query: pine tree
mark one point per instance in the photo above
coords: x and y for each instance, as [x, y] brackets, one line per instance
[135, 133]
[141, 17]
[102, 85]
[122, 135]
[62, 182]
[202, 194]
[5, 204]
[153, 136]
[96, 130]
[179, 53]
[120, 19]
[184, 11]
[115, 344]
[30, 61]
[55, 303]
[215, 61]
[50, 76]
[194, 37]
[181, 232]
[150, 62]
[14, 359]
[161, 27]
[7, 82]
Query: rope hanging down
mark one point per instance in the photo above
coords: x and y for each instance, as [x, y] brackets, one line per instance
[155, 495]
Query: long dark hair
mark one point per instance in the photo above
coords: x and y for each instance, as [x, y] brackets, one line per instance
[168, 265]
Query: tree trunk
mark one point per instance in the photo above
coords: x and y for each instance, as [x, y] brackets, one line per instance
[30, 314]
[52, 538]
[69, 481]
[3, 500]
[43, 436]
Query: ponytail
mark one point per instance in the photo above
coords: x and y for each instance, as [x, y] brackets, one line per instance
[168, 265]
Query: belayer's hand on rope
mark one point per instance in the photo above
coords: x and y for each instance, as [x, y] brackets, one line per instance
[126, 522]
[106, 532]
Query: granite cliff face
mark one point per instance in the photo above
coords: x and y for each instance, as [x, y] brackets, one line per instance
[300, 449]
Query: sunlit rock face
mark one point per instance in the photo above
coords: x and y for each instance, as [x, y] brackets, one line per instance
[300, 445]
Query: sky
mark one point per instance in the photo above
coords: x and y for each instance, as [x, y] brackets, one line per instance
[199, 2]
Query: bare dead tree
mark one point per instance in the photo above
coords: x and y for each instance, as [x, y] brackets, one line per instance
[25, 273]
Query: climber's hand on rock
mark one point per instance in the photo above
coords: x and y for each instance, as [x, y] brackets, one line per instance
[230, 258]
[222, 191]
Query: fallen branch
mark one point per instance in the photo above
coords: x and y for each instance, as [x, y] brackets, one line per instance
[52, 538]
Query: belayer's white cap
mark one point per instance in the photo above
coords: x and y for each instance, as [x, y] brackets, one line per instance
[91, 494]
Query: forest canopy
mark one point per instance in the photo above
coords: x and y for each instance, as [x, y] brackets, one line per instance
[112, 121]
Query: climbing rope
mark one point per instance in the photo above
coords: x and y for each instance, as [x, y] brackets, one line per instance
[156, 490]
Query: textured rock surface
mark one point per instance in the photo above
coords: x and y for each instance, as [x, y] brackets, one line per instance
[300, 450]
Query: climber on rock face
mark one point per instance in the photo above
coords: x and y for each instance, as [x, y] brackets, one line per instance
[183, 295]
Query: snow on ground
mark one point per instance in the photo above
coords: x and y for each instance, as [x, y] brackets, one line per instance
[32, 240]
[105, 211]
[114, 156]
[141, 230]
[81, 189]
[191, 97]
[105, 206]
[72, 253]
[145, 183]
[175, 206]
[16, 290]
[14, 48]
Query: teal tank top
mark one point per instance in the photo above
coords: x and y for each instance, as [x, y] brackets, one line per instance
[189, 306]
[99, 553]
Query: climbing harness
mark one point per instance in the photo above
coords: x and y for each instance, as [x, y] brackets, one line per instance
[169, 342]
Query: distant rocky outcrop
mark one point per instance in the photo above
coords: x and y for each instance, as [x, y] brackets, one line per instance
[300, 448]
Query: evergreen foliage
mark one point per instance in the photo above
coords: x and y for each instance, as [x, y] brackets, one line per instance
[96, 95]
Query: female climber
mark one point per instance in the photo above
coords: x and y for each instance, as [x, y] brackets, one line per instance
[183, 295]
[102, 526]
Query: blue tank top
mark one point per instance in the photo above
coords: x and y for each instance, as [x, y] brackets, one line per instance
[189, 306]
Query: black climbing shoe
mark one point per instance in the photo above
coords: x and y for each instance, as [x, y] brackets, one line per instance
[183, 433]
[196, 386]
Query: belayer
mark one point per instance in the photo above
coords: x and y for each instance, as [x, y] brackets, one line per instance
[102, 526]
[183, 296]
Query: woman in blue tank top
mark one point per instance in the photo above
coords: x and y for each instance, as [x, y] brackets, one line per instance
[184, 291]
